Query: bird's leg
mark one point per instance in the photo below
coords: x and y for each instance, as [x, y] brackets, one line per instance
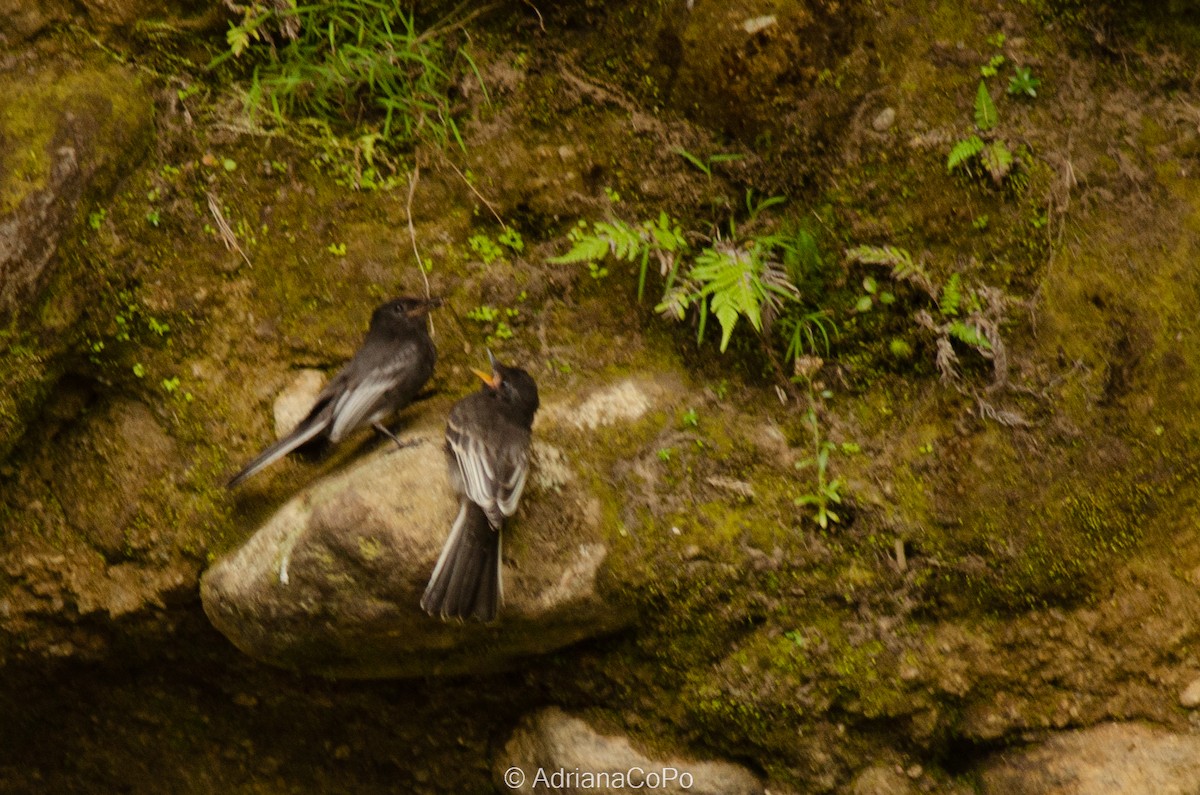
[399, 444]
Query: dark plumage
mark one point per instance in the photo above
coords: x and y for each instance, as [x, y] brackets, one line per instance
[395, 360]
[487, 450]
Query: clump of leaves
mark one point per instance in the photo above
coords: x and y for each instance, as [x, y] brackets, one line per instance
[993, 155]
[969, 316]
[1023, 83]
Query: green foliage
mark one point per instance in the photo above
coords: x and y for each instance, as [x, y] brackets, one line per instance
[867, 302]
[482, 245]
[826, 491]
[804, 332]
[661, 238]
[968, 335]
[360, 68]
[732, 282]
[96, 218]
[706, 165]
[970, 317]
[903, 267]
[997, 160]
[985, 110]
[511, 238]
[1023, 83]
[753, 278]
[995, 157]
[951, 296]
[496, 320]
[964, 151]
[992, 67]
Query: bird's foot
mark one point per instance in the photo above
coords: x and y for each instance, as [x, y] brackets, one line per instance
[399, 444]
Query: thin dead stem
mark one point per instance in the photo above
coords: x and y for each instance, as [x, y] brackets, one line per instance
[227, 235]
[413, 178]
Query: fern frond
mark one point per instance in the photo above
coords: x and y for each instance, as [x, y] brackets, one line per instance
[951, 296]
[998, 160]
[587, 248]
[904, 268]
[964, 151]
[968, 335]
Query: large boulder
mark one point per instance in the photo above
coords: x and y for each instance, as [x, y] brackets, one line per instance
[332, 583]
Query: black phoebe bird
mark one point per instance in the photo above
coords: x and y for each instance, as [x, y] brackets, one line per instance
[394, 361]
[487, 450]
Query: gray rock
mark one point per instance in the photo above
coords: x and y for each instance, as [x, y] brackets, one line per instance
[1190, 697]
[295, 401]
[884, 120]
[882, 780]
[1111, 759]
[331, 584]
[551, 751]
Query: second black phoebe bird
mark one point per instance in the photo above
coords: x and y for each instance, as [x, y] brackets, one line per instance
[394, 361]
[487, 450]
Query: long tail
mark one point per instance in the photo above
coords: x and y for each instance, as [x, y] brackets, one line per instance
[466, 580]
[311, 426]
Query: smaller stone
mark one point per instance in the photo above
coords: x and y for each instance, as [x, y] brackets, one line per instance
[881, 780]
[295, 401]
[1190, 698]
[758, 24]
[884, 120]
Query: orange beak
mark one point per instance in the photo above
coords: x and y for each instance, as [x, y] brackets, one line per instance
[491, 379]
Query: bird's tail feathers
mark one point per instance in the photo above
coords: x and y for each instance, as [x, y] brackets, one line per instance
[466, 580]
[305, 432]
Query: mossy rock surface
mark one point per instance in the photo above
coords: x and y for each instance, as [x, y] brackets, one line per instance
[1014, 555]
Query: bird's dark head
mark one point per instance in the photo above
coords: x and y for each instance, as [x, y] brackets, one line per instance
[513, 386]
[403, 311]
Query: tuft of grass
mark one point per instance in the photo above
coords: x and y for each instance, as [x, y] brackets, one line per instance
[360, 68]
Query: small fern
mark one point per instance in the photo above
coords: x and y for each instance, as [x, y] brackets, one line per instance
[951, 296]
[968, 335]
[627, 243]
[998, 160]
[964, 151]
[904, 268]
[733, 284]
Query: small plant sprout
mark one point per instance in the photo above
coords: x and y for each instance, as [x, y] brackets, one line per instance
[691, 419]
[873, 294]
[826, 491]
[1023, 83]
[487, 250]
[993, 65]
[512, 239]
[336, 249]
[96, 218]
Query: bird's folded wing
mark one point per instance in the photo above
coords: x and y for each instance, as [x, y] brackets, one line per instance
[493, 479]
[364, 391]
